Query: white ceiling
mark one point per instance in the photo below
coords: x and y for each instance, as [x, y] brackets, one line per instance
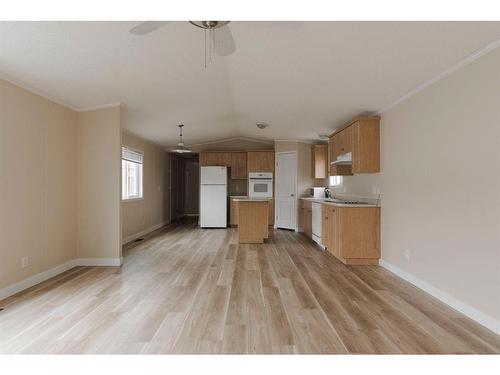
[303, 78]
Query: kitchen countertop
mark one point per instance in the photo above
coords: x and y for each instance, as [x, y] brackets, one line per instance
[251, 199]
[323, 201]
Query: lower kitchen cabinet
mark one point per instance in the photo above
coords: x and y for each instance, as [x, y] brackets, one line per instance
[271, 212]
[352, 234]
[305, 217]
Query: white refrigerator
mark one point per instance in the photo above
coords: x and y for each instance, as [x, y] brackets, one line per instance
[213, 197]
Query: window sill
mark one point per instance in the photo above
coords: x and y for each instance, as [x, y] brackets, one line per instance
[132, 199]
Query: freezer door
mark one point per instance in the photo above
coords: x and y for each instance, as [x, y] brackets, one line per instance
[213, 212]
[213, 175]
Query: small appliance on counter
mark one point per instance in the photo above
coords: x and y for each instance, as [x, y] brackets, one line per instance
[318, 192]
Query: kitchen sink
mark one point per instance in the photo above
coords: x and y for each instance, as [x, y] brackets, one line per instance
[341, 201]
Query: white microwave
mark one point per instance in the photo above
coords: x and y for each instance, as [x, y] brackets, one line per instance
[260, 185]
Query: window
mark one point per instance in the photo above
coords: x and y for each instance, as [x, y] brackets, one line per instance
[335, 180]
[131, 174]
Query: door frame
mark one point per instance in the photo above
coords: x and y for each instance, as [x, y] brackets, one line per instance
[296, 186]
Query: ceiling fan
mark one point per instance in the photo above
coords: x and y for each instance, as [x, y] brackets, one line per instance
[218, 37]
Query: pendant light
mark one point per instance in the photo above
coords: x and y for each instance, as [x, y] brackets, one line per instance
[181, 148]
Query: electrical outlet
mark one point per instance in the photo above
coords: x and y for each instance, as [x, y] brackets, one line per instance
[25, 261]
[407, 254]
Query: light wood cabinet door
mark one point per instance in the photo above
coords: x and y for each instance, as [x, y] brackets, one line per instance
[319, 161]
[271, 212]
[234, 212]
[345, 140]
[207, 159]
[223, 159]
[218, 159]
[308, 221]
[325, 225]
[335, 232]
[261, 161]
[366, 146]
[239, 166]
[302, 211]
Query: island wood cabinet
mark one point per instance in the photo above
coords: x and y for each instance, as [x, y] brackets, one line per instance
[236, 161]
[319, 156]
[234, 212]
[252, 221]
[352, 234]
[362, 139]
[261, 161]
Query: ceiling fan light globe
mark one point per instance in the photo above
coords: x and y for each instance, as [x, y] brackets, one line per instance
[209, 24]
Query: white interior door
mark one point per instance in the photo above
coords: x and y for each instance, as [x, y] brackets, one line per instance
[286, 190]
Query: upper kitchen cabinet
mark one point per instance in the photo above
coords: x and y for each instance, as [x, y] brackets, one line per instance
[236, 161]
[239, 166]
[261, 161]
[319, 161]
[218, 159]
[356, 148]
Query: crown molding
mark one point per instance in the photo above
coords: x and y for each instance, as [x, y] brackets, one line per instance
[36, 91]
[153, 143]
[462, 63]
[103, 106]
[298, 141]
[233, 139]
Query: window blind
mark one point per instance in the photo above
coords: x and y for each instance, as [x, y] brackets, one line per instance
[131, 155]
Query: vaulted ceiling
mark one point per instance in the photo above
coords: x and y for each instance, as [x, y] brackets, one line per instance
[302, 78]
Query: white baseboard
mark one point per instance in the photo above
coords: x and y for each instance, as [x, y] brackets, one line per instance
[103, 262]
[476, 315]
[36, 279]
[42, 276]
[135, 236]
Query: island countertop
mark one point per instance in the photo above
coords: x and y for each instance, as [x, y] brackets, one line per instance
[251, 199]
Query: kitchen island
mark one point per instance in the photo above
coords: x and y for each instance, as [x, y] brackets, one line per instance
[253, 219]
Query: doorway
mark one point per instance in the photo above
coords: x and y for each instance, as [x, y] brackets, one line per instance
[184, 186]
[286, 190]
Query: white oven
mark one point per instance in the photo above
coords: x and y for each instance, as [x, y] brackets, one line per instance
[260, 184]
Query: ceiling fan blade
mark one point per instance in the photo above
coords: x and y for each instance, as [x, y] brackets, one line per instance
[224, 42]
[147, 27]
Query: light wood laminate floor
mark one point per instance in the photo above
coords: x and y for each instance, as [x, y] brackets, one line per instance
[188, 290]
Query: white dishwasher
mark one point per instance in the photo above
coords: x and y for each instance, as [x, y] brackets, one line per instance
[316, 223]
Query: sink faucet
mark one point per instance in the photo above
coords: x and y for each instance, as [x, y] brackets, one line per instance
[328, 193]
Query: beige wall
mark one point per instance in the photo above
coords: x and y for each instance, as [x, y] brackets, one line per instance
[440, 185]
[37, 184]
[99, 180]
[140, 216]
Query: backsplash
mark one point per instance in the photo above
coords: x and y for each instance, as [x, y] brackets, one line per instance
[361, 186]
[238, 187]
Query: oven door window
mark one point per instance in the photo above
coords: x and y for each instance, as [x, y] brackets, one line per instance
[260, 188]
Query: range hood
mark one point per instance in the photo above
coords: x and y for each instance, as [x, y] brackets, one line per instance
[343, 159]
